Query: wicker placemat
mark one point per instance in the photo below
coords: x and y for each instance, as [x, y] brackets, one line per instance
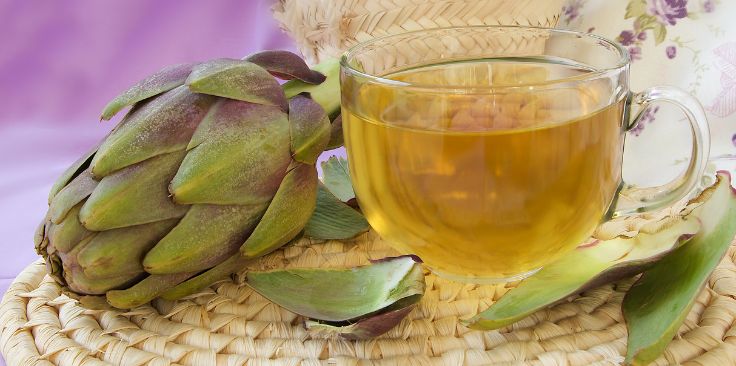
[229, 324]
[326, 28]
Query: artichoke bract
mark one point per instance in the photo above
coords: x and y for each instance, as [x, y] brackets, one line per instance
[213, 165]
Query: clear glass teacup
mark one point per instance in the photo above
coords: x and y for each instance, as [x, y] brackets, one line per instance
[491, 151]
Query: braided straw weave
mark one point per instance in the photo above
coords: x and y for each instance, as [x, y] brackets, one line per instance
[326, 28]
[229, 324]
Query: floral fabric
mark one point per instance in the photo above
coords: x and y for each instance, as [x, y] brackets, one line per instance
[690, 44]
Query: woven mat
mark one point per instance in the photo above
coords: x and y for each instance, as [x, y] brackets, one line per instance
[326, 28]
[229, 324]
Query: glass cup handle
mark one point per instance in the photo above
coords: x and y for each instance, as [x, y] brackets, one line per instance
[632, 199]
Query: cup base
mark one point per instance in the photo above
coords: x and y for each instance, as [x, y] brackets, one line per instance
[484, 280]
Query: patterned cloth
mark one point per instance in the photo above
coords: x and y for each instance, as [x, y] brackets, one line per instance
[686, 43]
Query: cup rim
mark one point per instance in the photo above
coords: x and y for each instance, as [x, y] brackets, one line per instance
[623, 60]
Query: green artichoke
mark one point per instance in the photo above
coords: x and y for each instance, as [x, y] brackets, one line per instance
[213, 165]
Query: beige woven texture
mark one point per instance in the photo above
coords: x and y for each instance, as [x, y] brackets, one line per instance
[229, 324]
[326, 28]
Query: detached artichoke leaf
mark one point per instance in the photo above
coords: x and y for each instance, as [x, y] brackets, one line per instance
[366, 328]
[163, 125]
[334, 219]
[369, 293]
[134, 195]
[237, 79]
[336, 176]
[588, 266]
[168, 78]
[658, 303]
[310, 129]
[286, 65]
[289, 211]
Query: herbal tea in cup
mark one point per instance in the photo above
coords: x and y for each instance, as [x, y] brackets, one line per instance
[491, 151]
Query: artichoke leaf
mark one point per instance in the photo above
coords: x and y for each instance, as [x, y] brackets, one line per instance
[39, 236]
[118, 252]
[134, 195]
[366, 328]
[205, 236]
[80, 283]
[336, 176]
[289, 211]
[588, 266]
[338, 295]
[71, 172]
[75, 192]
[146, 290]
[195, 284]
[163, 125]
[286, 65]
[657, 304]
[237, 79]
[168, 78]
[65, 235]
[327, 93]
[336, 135]
[334, 219]
[238, 156]
[309, 127]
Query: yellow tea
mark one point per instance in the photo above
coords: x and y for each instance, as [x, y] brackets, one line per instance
[491, 182]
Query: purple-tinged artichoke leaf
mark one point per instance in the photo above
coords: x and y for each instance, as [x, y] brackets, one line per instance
[237, 79]
[40, 234]
[334, 219]
[585, 267]
[310, 129]
[118, 252]
[288, 212]
[74, 193]
[658, 303]
[168, 78]
[65, 235]
[72, 172]
[286, 65]
[336, 177]
[366, 328]
[238, 156]
[79, 282]
[336, 135]
[205, 236]
[337, 295]
[134, 195]
[327, 93]
[163, 125]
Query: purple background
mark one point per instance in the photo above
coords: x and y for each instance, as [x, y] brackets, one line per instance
[61, 61]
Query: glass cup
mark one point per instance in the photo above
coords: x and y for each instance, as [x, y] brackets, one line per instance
[491, 151]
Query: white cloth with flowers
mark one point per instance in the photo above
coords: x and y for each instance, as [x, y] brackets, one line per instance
[689, 44]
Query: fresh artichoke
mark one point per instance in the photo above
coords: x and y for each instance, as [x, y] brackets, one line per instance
[213, 165]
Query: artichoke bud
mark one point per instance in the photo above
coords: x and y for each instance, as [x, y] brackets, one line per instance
[212, 166]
